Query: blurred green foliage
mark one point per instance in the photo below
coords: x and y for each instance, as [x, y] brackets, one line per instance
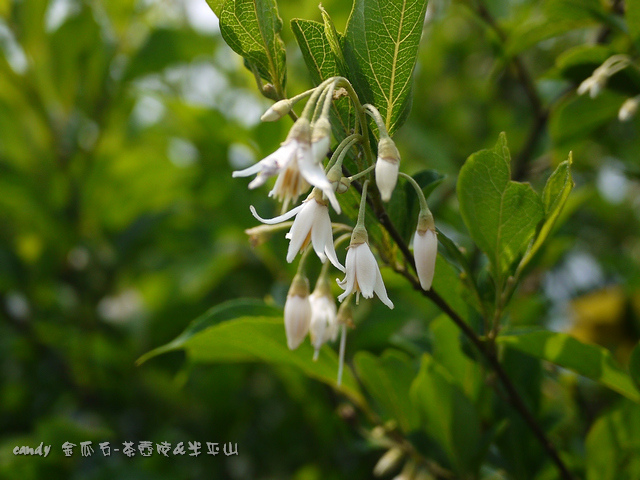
[120, 124]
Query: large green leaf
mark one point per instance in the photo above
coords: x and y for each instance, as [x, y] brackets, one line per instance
[252, 30]
[554, 196]
[322, 63]
[501, 214]
[247, 331]
[591, 361]
[613, 445]
[315, 48]
[241, 307]
[381, 45]
[216, 6]
[448, 415]
[448, 351]
[388, 380]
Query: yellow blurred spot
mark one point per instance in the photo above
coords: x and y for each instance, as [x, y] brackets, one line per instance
[600, 317]
[29, 247]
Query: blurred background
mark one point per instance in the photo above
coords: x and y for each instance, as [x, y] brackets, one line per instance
[120, 124]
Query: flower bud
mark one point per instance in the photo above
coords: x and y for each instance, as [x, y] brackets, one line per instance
[277, 111]
[628, 109]
[321, 139]
[343, 185]
[387, 167]
[297, 312]
[324, 321]
[425, 250]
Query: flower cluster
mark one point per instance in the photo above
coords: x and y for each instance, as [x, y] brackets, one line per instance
[598, 81]
[301, 164]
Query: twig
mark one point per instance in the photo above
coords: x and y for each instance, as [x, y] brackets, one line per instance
[486, 349]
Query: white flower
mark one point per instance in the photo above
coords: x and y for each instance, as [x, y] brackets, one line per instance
[297, 312]
[425, 250]
[312, 224]
[594, 85]
[628, 109]
[363, 275]
[387, 167]
[296, 167]
[324, 319]
[386, 177]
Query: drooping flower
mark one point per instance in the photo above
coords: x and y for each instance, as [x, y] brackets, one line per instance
[324, 316]
[312, 224]
[362, 271]
[387, 167]
[593, 85]
[296, 167]
[425, 250]
[297, 312]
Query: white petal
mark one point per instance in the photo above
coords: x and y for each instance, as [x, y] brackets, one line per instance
[350, 275]
[314, 174]
[297, 316]
[253, 169]
[366, 270]
[300, 229]
[320, 148]
[386, 177]
[425, 249]
[324, 322]
[279, 218]
[381, 291]
[320, 230]
[330, 252]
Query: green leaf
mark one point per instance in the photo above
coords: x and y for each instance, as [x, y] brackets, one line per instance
[612, 445]
[315, 48]
[381, 46]
[241, 307]
[447, 351]
[632, 16]
[448, 415]
[259, 339]
[216, 6]
[388, 380]
[252, 30]
[634, 366]
[335, 40]
[554, 197]
[501, 214]
[322, 64]
[447, 283]
[590, 361]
